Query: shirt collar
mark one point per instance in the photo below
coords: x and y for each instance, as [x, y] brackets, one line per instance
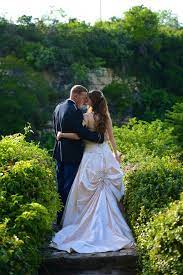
[74, 103]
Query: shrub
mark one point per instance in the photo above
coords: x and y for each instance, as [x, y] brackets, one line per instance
[175, 119]
[152, 186]
[161, 242]
[139, 140]
[28, 203]
[153, 181]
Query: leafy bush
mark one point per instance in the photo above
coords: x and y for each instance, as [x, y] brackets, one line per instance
[175, 119]
[154, 179]
[161, 242]
[28, 203]
[139, 140]
[154, 184]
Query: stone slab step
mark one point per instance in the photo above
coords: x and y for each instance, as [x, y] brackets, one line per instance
[122, 262]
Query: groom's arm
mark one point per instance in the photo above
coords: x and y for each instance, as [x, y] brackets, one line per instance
[82, 131]
[56, 124]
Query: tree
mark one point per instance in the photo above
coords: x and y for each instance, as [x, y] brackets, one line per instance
[25, 20]
[141, 23]
[167, 18]
[24, 97]
[175, 119]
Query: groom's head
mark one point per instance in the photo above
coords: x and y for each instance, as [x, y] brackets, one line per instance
[78, 94]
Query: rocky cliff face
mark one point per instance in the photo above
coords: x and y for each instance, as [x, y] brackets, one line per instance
[62, 82]
[98, 79]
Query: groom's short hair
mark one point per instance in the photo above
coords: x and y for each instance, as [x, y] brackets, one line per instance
[78, 89]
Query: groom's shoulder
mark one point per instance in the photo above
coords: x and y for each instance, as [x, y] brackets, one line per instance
[60, 105]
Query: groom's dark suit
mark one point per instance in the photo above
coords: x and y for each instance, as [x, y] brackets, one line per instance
[68, 153]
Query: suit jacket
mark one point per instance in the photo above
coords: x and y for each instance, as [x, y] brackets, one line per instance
[68, 118]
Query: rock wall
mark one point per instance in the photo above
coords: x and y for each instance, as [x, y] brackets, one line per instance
[97, 79]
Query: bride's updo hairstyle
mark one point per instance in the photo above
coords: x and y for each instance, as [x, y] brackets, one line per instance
[100, 109]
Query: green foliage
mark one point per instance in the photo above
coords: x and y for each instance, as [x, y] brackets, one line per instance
[141, 23]
[175, 119]
[47, 140]
[28, 203]
[166, 18]
[153, 180]
[119, 96]
[139, 140]
[154, 183]
[153, 103]
[25, 20]
[79, 73]
[39, 56]
[24, 96]
[144, 44]
[161, 242]
[128, 98]
[143, 36]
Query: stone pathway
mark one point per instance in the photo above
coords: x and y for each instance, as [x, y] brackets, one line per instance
[121, 262]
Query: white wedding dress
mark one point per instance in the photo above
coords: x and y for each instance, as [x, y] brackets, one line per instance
[92, 220]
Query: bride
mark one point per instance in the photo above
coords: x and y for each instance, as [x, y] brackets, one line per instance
[92, 221]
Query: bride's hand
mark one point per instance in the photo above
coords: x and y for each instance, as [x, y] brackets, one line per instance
[59, 135]
[118, 157]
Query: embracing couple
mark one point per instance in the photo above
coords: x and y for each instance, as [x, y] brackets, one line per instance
[89, 177]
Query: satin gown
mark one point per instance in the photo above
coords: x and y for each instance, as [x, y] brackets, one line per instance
[92, 220]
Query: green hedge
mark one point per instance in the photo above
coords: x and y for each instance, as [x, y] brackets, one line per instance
[151, 187]
[161, 242]
[28, 203]
[153, 181]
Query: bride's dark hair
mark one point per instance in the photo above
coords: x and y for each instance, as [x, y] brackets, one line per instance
[100, 109]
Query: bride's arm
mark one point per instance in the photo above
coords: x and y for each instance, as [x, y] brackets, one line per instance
[112, 139]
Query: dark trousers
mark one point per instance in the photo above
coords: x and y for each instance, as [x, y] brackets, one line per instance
[66, 173]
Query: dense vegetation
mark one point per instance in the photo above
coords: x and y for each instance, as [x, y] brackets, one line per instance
[154, 185]
[25, 97]
[144, 50]
[28, 204]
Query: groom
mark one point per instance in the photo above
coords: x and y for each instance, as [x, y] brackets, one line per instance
[68, 153]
